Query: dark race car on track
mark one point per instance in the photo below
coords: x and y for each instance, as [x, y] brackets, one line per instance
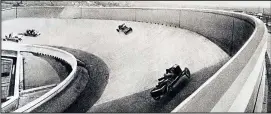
[124, 29]
[173, 77]
[11, 37]
[31, 33]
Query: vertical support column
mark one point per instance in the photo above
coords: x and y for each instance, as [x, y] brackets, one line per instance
[21, 88]
[23, 73]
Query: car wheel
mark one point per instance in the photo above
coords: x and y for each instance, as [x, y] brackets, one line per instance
[157, 98]
[187, 72]
[169, 89]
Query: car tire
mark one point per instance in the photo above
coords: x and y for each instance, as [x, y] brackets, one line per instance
[157, 98]
[169, 89]
[187, 72]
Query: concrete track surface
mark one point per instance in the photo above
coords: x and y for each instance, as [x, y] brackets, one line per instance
[135, 60]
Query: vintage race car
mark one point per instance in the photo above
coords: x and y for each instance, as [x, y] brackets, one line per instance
[173, 77]
[124, 29]
[31, 33]
[14, 38]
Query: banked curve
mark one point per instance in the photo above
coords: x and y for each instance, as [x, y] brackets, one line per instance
[242, 36]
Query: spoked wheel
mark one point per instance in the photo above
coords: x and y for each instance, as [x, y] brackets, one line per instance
[187, 72]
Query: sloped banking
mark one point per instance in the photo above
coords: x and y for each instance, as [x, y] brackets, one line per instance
[234, 87]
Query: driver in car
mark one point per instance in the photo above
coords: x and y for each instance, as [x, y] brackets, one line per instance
[170, 75]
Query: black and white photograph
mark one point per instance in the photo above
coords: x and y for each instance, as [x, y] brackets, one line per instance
[135, 56]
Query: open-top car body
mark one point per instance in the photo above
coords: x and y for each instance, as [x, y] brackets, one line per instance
[173, 77]
[124, 29]
[31, 33]
[14, 38]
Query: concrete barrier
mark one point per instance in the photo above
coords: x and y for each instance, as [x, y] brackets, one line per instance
[241, 36]
[219, 92]
[108, 14]
[8, 14]
[70, 13]
[227, 30]
[61, 91]
[161, 16]
[48, 12]
[48, 99]
[216, 27]
[13, 103]
[98, 74]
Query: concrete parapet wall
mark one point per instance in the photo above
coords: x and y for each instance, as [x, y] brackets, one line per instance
[67, 92]
[219, 92]
[56, 53]
[48, 12]
[108, 14]
[241, 36]
[8, 14]
[62, 100]
[217, 28]
[225, 29]
[53, 100]
[12, 105]
[161, 16]
[70, 13]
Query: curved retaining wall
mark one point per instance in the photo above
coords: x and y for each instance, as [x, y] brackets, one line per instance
[60, 91]
[227, 30]
[241, 36]
[43, 103]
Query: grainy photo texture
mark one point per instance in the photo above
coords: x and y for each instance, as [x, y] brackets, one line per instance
[135, 56]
